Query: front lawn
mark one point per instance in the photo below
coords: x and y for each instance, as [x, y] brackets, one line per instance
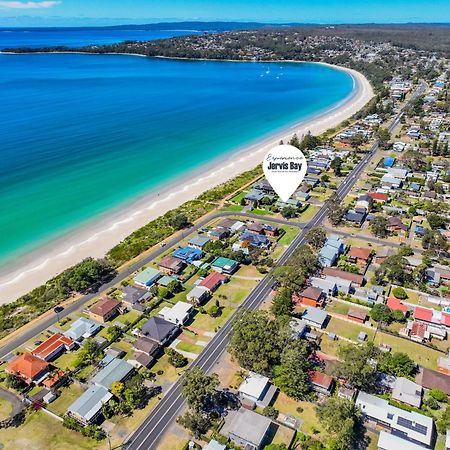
[289, 235]
[68, 395]
[348, 330]
[191, 348]
[5, 409]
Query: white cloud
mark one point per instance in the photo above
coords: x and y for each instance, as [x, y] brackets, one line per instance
[29, 5]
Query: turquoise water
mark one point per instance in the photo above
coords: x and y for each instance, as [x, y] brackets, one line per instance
[82, 134]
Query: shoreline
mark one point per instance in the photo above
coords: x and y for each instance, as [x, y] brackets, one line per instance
[96, 237]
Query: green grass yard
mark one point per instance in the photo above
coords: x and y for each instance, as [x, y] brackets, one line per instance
[68, 395]
[347, 329]
[289, 235]
[5, 409]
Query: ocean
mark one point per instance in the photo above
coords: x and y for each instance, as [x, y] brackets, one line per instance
[81, 135]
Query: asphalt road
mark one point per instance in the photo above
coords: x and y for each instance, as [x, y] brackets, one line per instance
[53, 318]
[150, 431]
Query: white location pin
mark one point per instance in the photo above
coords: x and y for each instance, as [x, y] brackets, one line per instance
[285, 168]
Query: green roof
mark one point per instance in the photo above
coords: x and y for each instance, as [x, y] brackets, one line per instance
[166, 280]
[146, 275]
[223, 262]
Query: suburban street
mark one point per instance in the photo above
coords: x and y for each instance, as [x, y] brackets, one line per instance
[150, 431]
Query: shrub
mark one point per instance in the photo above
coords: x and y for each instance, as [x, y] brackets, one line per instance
[399, 292]
[438, 395]
[271, 412]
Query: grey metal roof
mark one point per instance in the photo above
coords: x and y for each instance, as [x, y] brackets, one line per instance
[157, 328]
[116, 370]
[247, 425]
[315, 315]
[90, 403]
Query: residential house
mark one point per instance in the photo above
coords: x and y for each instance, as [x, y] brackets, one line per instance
[321, 382]
[105, 309]
[439, 319]
[311, 296]
[246, 428]
[253, 197]
[133, 297]
[213, 280]
[214, 445]
[391, 441]
[171, 265]
[232, 225]
[146, 350]
[178, 314]
[347, 393]
[315, 317]
[406, 391]
[257, 389]
[158, 329]
[298, 327]
[28, 367]
[378, 197]
[198, 295]
[444, 364]
[383, 254]
[82, 329]
[225, 265]
[388, 161]
[255, 240]
[255, 228]
[166, 280]
[411, 426]
[356, 279]
[343, 285]
[270, 230]
[430, 379]
[198, 242]
[388, 182]
[357, 315]
[115, 370]
[53, 347]
[265, 187]
[355, 217]
[328, 255]
[188, 254]
[327, 286]
[395, 304]
[147, 277]
[359, 255]
[88, 407]
[364, 201]
[395, 225]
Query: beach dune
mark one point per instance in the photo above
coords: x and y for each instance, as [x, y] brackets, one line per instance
[98, 237]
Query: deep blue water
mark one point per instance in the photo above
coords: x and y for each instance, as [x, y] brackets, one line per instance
[82, 134]
[78, 38]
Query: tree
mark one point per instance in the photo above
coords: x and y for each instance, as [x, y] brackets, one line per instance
[316, 237]
[393, 268]
[282, 303]
[305, 260]
[381, 313]
[271, 412]
[288, 277]
[113, 332]
[383, 137]
[117, 388]
[436, 222]
[256, 341]
[340, 418]
[174, 287]
[89, 353]
[197, 423]
[357, 140]
[434, 241]
[14, 382]
[378, 226]
[398, 364]
[325, 178]
[309, 142]
[295, 141]
[289, 212]
[443, 424]
[336, 165]
[179, 221]
[438, 395]
[292, 374]
[356, 367]
[197, 387]
[336, 211]
[405, 251]
[399, 292]
[135, 393]
[176, 359]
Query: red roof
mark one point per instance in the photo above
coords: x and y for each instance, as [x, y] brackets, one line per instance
[53, 379]
[212, 280]
[396, 305]
[353, 277]
[357, 314]
[320, 379]
[51, 345]
[378, 196]
[104, 306]
[27, 366]
[423, 314]
[360, 253]
[418, 329]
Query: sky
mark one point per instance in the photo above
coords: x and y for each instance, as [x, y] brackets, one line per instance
[111, 12]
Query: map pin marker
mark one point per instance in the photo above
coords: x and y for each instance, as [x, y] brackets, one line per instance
[285, 168]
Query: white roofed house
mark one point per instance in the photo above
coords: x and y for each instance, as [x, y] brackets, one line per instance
[86, 408]
[408, 425]
[178, 314]
[257, 389]
[406, 391]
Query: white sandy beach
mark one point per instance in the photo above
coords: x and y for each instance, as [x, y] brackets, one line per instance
[97, 238]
